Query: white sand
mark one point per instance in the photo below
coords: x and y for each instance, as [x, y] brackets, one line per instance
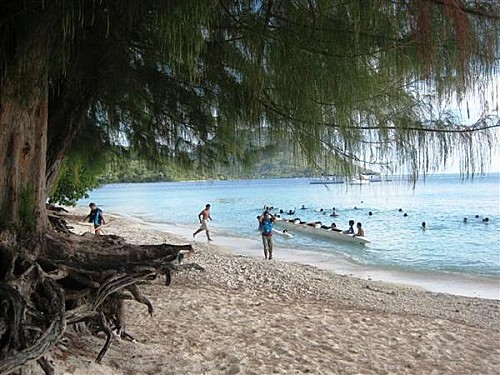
[251, 316]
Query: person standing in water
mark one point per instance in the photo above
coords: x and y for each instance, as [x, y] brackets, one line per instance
[204, 217]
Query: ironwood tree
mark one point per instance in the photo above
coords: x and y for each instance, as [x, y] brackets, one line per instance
[340, 81]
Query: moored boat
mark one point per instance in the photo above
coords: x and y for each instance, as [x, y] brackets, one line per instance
[327, 180]
[319, 231]
[371, 177]
[359, 181]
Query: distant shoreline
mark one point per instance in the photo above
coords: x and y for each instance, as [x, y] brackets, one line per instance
[393, 177]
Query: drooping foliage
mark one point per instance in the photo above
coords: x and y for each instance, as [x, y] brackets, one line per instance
[204, 81]
[336, 81]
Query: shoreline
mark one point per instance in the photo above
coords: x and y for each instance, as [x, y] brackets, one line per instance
[433, 281]
[246, 315]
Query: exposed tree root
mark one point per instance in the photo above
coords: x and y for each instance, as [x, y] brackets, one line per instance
[72, 280]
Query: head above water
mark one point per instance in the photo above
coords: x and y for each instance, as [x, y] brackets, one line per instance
[207, 205]
[351, 223]
[358, 225]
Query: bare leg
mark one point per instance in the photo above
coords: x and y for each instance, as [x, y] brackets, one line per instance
[198, 231]
[270, 247]
[208, 236]
[265, 246]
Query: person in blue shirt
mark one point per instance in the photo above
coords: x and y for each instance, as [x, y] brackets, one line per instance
[266, 222]
[96, 217]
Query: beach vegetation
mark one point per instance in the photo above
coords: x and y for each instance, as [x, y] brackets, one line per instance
[337, 83]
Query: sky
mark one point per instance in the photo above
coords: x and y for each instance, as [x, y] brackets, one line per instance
[491, 106]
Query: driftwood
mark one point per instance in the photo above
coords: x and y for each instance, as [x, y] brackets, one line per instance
[56, 221]
[70, 281]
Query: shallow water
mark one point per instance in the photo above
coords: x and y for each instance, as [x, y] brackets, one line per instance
[447, 245]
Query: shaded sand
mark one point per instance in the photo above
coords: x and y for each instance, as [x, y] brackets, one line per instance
[251, 316]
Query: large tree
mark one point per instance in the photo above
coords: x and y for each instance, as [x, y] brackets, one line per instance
[197, 81]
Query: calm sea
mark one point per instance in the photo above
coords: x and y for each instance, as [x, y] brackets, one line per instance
[397, 242]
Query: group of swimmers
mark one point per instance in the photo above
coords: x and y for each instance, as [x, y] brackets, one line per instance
[484, 219]
[292, 212]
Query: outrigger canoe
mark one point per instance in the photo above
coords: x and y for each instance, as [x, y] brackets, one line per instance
[326, 233]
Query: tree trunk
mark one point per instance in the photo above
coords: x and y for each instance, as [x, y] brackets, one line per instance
[23, 141]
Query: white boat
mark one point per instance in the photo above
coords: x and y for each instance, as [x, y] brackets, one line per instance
[326, 233]
[372, 177]
[359, 181]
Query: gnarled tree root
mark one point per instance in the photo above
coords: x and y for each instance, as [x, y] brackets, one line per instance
[23, 343]
[73, 280]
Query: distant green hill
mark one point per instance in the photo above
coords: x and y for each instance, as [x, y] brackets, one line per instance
[267, 164]
[277, 166]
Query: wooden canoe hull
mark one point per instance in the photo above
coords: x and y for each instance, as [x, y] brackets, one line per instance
[325, 233]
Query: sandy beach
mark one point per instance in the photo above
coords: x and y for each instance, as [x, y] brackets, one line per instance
[245, 315]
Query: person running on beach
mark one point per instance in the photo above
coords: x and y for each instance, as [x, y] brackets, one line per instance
[204, 217]
[96, 217]
[266, 224]
[351, 228]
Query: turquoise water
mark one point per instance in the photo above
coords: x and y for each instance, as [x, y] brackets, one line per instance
[397, 242]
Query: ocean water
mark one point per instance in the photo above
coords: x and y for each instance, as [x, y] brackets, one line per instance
[448, 245]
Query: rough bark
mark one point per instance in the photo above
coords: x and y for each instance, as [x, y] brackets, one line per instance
[23, 139]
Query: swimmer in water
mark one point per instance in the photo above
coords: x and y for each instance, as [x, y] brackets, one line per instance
[423, 225]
